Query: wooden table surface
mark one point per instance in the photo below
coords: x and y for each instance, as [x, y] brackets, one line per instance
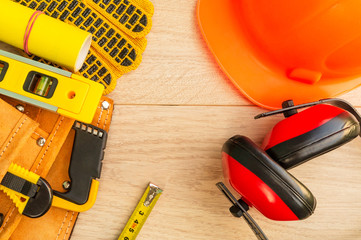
[172, 116]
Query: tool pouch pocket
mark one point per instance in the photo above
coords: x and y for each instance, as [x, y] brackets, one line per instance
[40, 141]
[17, 133]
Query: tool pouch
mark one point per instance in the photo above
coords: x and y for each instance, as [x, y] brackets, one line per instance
[42, 142]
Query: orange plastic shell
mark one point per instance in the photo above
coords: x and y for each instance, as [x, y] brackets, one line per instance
[272, 51]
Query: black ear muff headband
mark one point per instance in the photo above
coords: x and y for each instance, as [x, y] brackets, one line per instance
[331, 101]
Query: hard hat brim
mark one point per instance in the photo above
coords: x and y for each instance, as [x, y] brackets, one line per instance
[265, 87]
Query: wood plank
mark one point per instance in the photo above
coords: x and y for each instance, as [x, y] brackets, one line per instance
[178, 148]
[177, 66]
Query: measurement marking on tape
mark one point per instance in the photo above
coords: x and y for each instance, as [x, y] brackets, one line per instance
[141, 212]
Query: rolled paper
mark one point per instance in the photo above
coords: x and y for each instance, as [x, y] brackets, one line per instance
[48, 38]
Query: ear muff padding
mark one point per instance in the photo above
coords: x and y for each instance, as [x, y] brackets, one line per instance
[325, 128]
[264, 184]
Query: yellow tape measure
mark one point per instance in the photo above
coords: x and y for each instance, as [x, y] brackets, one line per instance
[141, 213]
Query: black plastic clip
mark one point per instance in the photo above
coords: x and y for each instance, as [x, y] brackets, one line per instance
[85, 163]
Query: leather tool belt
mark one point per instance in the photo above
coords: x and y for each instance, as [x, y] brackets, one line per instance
[48, 145]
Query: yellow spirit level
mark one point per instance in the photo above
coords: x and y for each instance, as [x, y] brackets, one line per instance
[48, 87]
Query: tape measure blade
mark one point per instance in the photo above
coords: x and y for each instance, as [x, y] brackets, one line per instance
[141, 213]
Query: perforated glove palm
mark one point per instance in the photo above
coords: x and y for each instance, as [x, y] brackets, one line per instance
[118, 27]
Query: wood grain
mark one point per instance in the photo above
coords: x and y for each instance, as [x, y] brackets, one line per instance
[171, 118]
[178, 148]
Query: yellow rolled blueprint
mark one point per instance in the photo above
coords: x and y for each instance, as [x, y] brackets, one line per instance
[50, 38]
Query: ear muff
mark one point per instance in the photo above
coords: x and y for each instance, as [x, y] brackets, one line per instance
[310, 133]
[264, 184]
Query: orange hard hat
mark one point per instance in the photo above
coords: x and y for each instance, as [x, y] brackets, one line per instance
[276, 50]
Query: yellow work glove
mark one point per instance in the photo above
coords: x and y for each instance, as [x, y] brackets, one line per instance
[118, 27]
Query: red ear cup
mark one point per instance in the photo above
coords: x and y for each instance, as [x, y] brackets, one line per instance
[264, 184]
[310, 133]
